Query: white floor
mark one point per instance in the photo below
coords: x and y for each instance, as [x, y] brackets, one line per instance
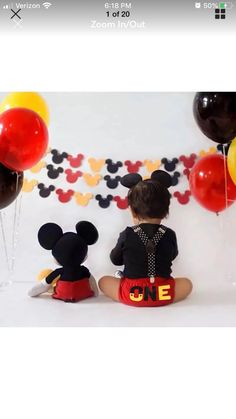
[203, 308]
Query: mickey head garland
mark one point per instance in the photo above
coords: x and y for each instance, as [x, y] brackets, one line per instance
[74, 281]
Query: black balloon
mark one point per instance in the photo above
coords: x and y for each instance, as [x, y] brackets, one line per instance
[10, 185]
[215, 114]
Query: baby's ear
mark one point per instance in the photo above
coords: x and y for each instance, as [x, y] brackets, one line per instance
[130, 180]
[162, 177]
[49, 234]
[87, 231]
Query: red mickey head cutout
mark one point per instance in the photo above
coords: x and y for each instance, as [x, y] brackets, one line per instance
[188, 162]
[75, 161]
[122, 203]
[186, 172]
[71, 176]
[183, 198]
[64, 196]
[133, 167]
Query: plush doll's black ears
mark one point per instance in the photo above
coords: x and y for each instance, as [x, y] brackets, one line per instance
[162, 177]
[130, 180]
[87, 231]
[49, 234]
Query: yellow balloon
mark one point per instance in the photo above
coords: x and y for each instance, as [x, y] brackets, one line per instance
[231, 160]
[28, 100]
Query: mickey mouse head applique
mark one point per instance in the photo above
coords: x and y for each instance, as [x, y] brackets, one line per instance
[133, 167]
[104, 202]
[113, 167]
[183, 198]
[112, 183]
[188, 161]
[75, 161]
[54, 172]
[64, 196]
[71, 176]
[58, 157]
[45, 191]
[170, 165]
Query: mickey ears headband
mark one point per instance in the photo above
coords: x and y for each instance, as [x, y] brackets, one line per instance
[160, 176]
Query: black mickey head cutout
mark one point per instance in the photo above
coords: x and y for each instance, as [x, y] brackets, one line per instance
[223, 148]
[175, 178]
[45, 191]
[113, 167]
[54, 172]
[104, 202]
[58, 157]
[112, 183]
[170, 165]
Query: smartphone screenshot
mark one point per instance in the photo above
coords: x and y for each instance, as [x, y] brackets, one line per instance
[117, 208]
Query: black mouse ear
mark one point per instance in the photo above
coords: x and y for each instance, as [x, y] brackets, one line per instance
[162, 177]
[49, 234]
[130, 180]
[87, 231]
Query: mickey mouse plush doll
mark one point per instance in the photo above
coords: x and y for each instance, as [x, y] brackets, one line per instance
[75, 282]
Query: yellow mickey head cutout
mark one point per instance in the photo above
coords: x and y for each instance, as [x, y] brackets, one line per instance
[212, 150]
[96, 165]
[152, 165]
[38, 167]
[92, 180]
[83, 199]
[29, 185]
[48, 151]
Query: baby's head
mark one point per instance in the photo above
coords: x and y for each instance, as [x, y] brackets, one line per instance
[148, 199]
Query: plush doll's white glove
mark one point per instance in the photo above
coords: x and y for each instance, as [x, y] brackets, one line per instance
[119, 274]
[39, 288]
[93, 285]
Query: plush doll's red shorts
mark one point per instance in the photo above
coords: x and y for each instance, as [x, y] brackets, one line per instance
[73, 291]
[142, 292]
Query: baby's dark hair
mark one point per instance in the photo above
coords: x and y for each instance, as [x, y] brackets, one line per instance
[149, 199]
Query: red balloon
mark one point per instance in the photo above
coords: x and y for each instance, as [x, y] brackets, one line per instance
[208, 183]
[23, 138]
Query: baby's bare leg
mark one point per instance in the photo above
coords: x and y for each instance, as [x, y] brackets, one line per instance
[110, 285]
[183, 287]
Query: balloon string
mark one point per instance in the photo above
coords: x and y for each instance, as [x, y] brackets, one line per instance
[4, 241]
[225, 173]
[15, 235]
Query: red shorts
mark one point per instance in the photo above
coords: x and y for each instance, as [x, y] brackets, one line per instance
[142, 292]
[73, 291]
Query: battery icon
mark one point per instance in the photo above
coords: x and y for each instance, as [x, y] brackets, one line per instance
[226, 5]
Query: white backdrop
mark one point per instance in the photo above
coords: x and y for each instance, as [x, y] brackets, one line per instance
[120, 126]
